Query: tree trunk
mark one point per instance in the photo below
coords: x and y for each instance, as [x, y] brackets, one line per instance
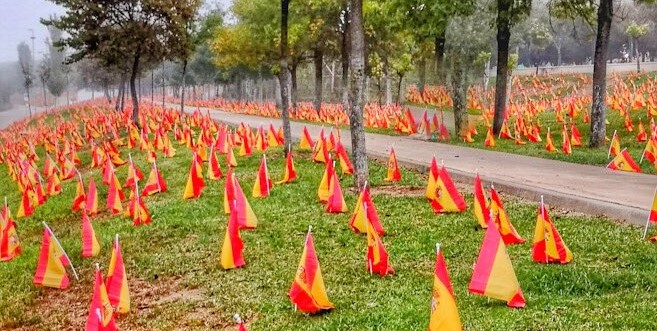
[558, 47]
[119, 95]
[152, 88]
[182, 90]
[319, 76]
[133, 89]
[459, 95]
[388, 81]
[357, 94]
[282, 76]
[29, 103]
[293, 76]
[638, 65]
[439, 45]
[598, 129]
[164, 92]
[399, 88]
[503, 36]
[422, 74]
[45, 94]
[344, 54]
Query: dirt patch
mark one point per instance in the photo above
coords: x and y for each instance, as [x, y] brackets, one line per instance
[398, 191]
[167, 300]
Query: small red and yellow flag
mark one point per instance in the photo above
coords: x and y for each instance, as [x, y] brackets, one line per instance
[117, 281]
[493, 274]
[548, 246]
[308, 292]
[624, 161]
[90, 246]
[231, 251]
[444, 313]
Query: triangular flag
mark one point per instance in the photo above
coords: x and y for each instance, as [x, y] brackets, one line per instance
[290, 173]
[447, 198]
[155, 182]
[90, 246]
[91, 205]
[548, 247]
[501, 219]
[117, 281]
[262, 184]
[231, 251]
[444, 313]
[51, 266]
[624, 161]
[493, 274]
[308, 292]
[335, 202]
[325, 184]
[393, 174]
[365, 211]
[101, 314]
[481, 208]
[195, 183]
[10, 246]
[377, 256]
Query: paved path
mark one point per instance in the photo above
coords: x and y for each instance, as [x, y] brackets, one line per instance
[581, 188]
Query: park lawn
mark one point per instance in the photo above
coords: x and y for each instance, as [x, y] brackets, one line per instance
[176, 282]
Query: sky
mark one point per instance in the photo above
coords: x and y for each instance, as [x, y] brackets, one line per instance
[18, 16]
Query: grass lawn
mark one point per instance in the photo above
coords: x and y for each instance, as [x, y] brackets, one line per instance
[176, 282]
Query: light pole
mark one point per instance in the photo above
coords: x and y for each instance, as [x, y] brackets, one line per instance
[33, 71]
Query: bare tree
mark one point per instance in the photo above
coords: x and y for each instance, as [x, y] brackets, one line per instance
[25, 62]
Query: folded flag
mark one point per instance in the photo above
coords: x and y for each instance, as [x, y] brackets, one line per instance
[444, 313]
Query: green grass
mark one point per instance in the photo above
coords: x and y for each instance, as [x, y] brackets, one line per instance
[176, 281]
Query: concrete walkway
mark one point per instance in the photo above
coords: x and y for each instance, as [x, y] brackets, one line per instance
[587, 189]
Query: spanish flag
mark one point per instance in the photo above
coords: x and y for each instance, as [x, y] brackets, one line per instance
[80, 198]
[320, 154]
[576, 137]
[263, 183]
[90, 246]
[623, 161]
[117, 281]
[155, 182]
[10, 246]
[335, 202]
[365, 214]
[108, 171]
[490, 138]
[505, 133]
[446, 197]
[25, 209]
[245, 148]
[53, 185]
[641, 135]
[393, 174]
[343, 158]
[493, 274]
[290, 173]
[51, 267]
[549, 144]
[91, 205]
[49, 166]
[501, 219]
[231, 161]
[434, 173]
[481, 208]
[377, 256]
[444, 313]
[195, 182]
[272, 139]
[614, 147]
[548, 246]
[138, 211]
[324, 186]
[134, 175]
[649, 152]
[566, 146]
[306, 142]
[308, 293]
[114, 195]
[214, 169]
[231, 251]
[235, 202]
[101, 313]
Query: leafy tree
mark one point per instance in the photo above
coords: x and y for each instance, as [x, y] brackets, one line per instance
[636, 31]
[128, 35]
[25, 62]
[43, 73]
[57, 81]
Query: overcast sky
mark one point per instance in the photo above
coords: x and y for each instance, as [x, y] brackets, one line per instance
[18, 16]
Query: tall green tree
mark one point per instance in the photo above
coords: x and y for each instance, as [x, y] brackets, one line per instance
[127, 34]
